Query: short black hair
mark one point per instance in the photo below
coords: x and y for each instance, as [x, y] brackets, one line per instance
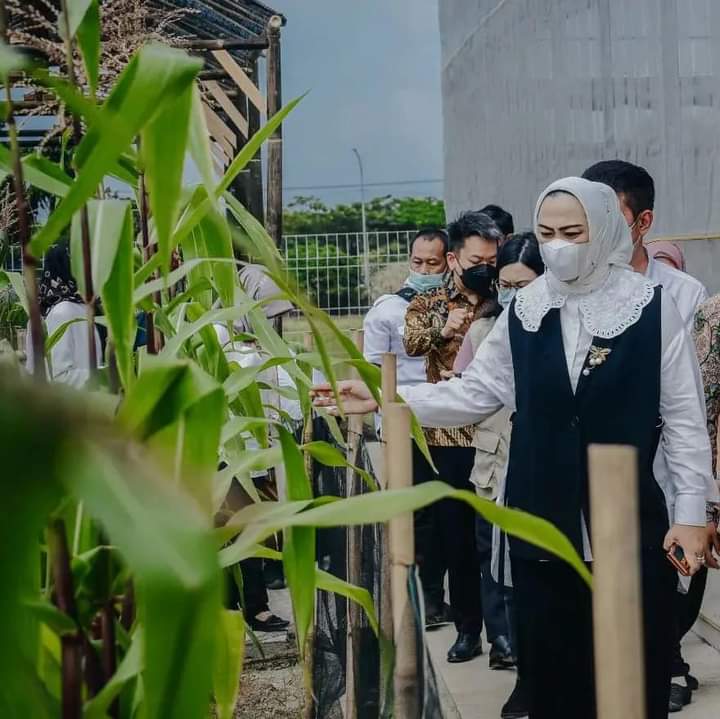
[471, 224]
[502, 218]
[521, 247]
[429, 234]
[631, 180]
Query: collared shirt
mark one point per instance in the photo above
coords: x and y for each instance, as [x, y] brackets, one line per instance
[425, 318]
[384, 327]
[488, 383]
[687, 292]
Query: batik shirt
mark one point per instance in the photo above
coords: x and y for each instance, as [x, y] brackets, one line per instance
[424, 320]
[707, 343]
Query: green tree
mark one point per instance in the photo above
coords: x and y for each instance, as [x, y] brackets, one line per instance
[309, 215]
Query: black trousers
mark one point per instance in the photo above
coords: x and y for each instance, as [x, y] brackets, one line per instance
[445, 539]
[687, 610]
[254, 596]
[554, 614]
[496, 599]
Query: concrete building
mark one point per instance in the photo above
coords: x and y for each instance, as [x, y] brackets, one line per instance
[537, 89]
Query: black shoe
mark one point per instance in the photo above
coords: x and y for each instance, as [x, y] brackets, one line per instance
[438, 618]
[467, 646]
[680, 697]
[271, 624]
[518, 705]
[501, 656]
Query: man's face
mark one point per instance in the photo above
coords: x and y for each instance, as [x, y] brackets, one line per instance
[428, 257]
[476, 251]
[640, 225]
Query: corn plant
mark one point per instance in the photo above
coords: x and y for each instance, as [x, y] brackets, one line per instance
[110, 556]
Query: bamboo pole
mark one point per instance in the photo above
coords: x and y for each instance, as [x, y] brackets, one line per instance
[273, 209]
[398, 469]
[255, 185]
[354, 543]
[617, 593]
[389, 392]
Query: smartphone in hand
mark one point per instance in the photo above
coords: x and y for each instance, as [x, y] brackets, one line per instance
[676, 557]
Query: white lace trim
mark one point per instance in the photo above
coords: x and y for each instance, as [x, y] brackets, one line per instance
[606, 312]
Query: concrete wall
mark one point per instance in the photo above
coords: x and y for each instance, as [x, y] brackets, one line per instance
[537, 89]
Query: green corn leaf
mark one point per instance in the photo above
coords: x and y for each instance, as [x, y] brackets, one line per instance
[76, 9]
[299, 545]
[18, 285]
[163, 147]
[52, 617]
[229, 659]
[330, 583]
[11, 60]
[59, 333]
[88, 39]
[111, 243]
[377, 507]
[200, 143]
[332, 457]
[39, 172]
[155, 75]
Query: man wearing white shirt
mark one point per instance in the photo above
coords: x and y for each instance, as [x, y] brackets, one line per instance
[384, 324]
[384, 328]
[636, 192]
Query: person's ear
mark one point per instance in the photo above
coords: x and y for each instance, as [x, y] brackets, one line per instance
[452, 261]
[644, 221]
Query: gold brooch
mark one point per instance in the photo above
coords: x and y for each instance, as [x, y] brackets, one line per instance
[598, 355]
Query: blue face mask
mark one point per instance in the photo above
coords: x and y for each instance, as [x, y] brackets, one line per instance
[505, 296]
[423, 283]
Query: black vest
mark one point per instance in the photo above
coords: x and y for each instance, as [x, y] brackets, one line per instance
[617, 402]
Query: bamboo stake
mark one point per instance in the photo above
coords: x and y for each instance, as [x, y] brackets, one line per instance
[398, 469]
[153, 341]
[389, 392]
[309, 656]
[273, 210]
[617, 593]
[354, 544]
[29, 263]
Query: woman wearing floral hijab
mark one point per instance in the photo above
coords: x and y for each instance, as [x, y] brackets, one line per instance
[60, 303]
[588, 353]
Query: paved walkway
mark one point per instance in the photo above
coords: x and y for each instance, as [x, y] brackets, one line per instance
[479, 693]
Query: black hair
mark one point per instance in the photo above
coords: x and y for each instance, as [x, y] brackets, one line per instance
[502, 218]
[429, 234]
[56, 262]
[521, 247]
[631, 180]
[471, 224]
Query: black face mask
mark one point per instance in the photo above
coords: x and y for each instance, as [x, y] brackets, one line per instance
[480, 279]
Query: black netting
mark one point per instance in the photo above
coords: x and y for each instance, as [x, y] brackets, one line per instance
[330, 674]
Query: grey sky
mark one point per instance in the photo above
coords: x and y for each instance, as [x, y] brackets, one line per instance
[373, 71]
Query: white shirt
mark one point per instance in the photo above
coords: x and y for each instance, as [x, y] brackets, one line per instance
[686, 291]
[488, 383]
[69, 361]
[384, 326]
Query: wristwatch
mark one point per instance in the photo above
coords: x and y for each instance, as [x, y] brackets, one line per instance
[712, 513]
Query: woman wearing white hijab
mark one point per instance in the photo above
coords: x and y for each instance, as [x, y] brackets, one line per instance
[590, 352]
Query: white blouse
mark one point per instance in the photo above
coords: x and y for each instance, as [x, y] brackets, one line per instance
[488, 383]
[69, 361]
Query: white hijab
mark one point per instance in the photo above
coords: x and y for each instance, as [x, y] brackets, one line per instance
[610, 296]
[610, 240]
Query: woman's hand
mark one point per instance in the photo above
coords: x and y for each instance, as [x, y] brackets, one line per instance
[693, 541]
[353, 396]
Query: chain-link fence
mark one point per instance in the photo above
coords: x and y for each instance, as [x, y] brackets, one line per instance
[343, 273]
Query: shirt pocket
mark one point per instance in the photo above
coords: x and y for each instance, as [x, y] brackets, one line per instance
[489, 461]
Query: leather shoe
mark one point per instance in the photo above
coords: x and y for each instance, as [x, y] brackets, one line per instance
[467, 646]
[518, 705]
[439, 618]
[680, 696]
[272, 624]
[501, 656]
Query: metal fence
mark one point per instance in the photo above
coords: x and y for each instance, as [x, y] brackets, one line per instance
[344, 272]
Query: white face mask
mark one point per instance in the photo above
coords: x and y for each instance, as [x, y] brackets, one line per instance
[566, 260]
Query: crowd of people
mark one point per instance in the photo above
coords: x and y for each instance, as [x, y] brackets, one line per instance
[518, 350]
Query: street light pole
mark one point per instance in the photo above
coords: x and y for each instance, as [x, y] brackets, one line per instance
[366, 247]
